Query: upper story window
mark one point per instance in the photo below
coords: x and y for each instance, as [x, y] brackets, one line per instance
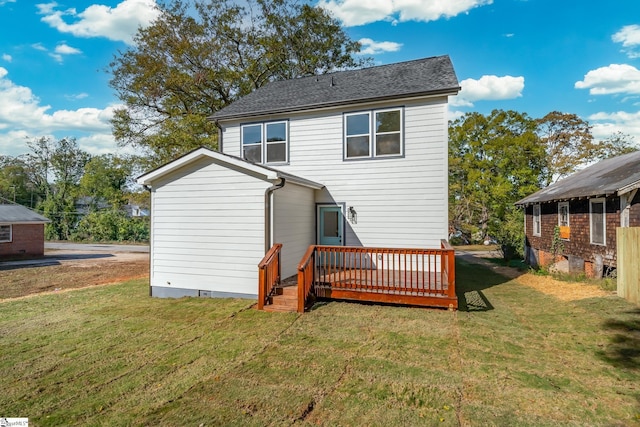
[376, 133]
[265, 142]
[598, 221]
[537, 229]
[5, 233]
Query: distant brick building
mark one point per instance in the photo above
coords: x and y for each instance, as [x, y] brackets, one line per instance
[586, 208]
[21, 232]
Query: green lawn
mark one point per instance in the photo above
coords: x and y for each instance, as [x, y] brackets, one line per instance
[511, 357]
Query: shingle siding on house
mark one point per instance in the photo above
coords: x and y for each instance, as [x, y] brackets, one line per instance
[207, 215]
[400, 202]
[579, 243]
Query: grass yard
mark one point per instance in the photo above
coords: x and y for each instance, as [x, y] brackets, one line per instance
[513, 356]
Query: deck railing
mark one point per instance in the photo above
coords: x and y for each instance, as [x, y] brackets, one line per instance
[269, 274]
[398, 275]
[306, 277]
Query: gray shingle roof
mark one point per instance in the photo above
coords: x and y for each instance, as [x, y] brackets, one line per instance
[403, 79]
[602, 179]
[13, 214]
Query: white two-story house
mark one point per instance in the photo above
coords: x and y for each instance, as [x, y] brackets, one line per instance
[353, 158]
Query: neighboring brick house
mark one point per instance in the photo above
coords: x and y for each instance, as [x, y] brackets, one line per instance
[587, 207]
[21, 232]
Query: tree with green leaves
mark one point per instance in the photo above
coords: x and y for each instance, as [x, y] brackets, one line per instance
[494, 160]
[568, 142]
[198, 57]
[55, 169]
[617, 144]
[15, 185]
[105, 180]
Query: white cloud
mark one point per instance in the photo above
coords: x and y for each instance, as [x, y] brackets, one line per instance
[613, 79]
[119, 23]
[77, 96]
[38, 46]
[358, 12]
[21, 111]
[629, 36]
[3, 2]
[605, 124]
[488, 88]
[371, 47]
[64, 49]
[6, 57]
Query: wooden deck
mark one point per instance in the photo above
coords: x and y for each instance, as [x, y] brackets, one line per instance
[424, 277]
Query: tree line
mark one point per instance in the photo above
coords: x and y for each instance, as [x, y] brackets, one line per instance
[84, 196]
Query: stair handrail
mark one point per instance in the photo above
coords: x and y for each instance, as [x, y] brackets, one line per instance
[306, 276]
[269, 274]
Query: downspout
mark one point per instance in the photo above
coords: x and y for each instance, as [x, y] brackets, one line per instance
[267, 214]
[148, 188]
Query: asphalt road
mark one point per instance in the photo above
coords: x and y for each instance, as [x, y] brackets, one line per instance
[98, 247]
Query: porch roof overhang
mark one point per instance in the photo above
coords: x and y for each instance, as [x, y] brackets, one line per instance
[263, 172]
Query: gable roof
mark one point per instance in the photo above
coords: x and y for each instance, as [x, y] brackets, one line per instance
[617, 175]
[18, 214]
[421, 77]
[266, 173]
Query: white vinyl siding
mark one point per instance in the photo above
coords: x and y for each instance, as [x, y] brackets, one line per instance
[598, 221]
[208, 229]
[5, 233]
[294, 224]
[537, 226]
[400, 201]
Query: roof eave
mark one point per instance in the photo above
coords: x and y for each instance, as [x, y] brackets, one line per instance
[441, 92]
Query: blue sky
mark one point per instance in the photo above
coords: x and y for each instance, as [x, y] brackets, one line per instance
[532, 56]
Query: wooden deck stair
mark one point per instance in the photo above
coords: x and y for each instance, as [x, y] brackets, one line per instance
[284, 299]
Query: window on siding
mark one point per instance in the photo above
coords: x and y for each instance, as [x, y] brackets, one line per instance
[358, 135]
[5, 233]
[563, 214]
[597, 214]
[265, 142]
[537, 230]
[380, 138]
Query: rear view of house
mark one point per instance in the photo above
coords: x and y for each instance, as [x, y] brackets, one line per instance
[21, 232]
[353, 159]
[574, 220]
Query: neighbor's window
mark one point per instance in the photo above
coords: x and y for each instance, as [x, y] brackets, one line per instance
[563, 214]
[375, 133]
[597, 213]
[265, 142]
[5, 233]
[537, 231]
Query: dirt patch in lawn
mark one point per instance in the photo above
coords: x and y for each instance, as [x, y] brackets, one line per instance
[71, 270]
[565, 291]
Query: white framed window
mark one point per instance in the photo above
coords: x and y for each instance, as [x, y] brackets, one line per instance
[373, 134]
[537, 228]
[598, 221]
[563, 214]
[265, 142]
[6, 233]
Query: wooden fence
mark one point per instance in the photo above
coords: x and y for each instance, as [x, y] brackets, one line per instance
[628, 247]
